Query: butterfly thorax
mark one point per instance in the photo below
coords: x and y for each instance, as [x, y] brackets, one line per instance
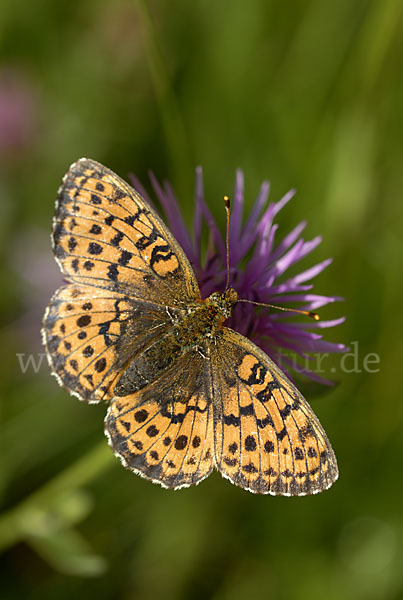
[204, 319]
[191, 331]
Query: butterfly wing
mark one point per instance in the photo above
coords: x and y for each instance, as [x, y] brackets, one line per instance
[267, 438]
[164, 432]
[91, 334]
[106, 235]
[125, 268]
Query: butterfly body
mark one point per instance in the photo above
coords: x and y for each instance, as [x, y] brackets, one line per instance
[192, 329]
[205, 319]
[186, 394]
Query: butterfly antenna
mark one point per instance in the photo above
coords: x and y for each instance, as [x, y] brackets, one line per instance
[308, 313]
[228, 211]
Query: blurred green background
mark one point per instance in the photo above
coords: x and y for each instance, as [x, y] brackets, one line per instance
[306, 94]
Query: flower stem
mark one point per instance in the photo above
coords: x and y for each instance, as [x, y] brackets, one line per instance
[13, 523]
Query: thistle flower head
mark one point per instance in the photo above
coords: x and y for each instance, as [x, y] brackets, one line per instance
[258, 265]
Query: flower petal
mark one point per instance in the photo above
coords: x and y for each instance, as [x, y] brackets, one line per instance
[236, 218]
[250, 229]
[198, 216]
[172, 211]
[283, 201]
[288, 241]
[313, 271]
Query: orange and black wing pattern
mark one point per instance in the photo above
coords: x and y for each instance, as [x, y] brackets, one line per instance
[267, 438]
[164, 432]
[90, 335]
[125, 268]
[106, 235]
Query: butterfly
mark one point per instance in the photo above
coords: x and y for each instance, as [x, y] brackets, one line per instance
[186, 394]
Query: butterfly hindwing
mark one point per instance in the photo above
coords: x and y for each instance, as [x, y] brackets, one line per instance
[267, 438]
[90, 334]
[164, 432]
[106, 235]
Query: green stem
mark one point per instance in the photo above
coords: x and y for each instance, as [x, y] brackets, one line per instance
[174, 127]
[80, 473]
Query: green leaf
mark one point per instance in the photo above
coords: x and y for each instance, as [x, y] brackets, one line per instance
[68, 552]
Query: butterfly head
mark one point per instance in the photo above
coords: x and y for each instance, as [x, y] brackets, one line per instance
[224, 302]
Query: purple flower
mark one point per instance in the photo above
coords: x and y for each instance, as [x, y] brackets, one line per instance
[258, 266]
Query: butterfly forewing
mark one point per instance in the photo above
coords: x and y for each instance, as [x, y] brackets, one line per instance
[106, 235]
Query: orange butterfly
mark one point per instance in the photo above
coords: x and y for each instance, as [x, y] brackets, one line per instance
[186, 393]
